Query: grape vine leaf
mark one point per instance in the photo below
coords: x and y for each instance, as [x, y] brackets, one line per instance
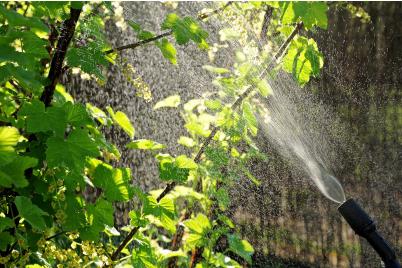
[249, 116]
[88, 59]
[303, 59]
[39, 119]
[263, 87]
[28, 80]
[186, 141]
[122, 120]
[75, 217]
[5, 223]
[76, 114]
[114, 181]
[310, 13]
[175, 169]
[198, 228]
[13, 172]
[171, 101]
[98, 216]
[9, 137]
[168, 50]
[144, 144]
[240, 247]
[160, 213]
[30, 212]
[15, 19]
[143, 255]
[185, 29]
[71, 152]
[5, 240]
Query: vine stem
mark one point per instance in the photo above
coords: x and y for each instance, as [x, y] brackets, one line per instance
[164, 34]
[56, 65]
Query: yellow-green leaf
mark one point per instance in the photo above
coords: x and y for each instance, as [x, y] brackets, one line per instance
[9, 137]
[122, 120]
[171, 101]
[144, 144]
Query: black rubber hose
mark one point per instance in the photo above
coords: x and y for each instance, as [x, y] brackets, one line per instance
[364, 226]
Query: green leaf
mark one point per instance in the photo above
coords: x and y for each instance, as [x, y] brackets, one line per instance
[168, 50]
[5, 223]
[111, 231]
[51, 9]
[31, 44]
[310, 13]
[251, 121]
[13, 172]
[15, 19]
[144, 144]
[186, 192]
[71, 152]
[216, 70]
[39, 119]
[185, 30]
[74, 211]
[228, 34]
[114, 181]
[223, 198]
[29, 80]
[99, 215]
[123, 121]
[163, 211]
[198, 229]
[30, 212]
[263, 87]
[171, 101]
[240, 247]
[89, 59]
[178, 169]
[217, 155]
[215, 104]
[134, 25]
[143, 255]
[97, 113]
[137, 220]
[303, 59]
[5, 240]
[186, 141]
[183, 161]
[76, 114]
[9, 137]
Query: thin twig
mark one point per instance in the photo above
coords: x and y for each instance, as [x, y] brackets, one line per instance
[67, 32]
[124, 243]
[55, 235]
[164, 34]
[216, 11]
[139, 43]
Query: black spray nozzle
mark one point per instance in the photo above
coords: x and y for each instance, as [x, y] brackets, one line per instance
[364, 226]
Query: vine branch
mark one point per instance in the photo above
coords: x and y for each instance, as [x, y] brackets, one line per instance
[164, 34]
[67, 33]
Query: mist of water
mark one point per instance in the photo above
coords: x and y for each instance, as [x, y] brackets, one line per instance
[296, 127]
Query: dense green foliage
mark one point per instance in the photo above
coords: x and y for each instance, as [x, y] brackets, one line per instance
[50, 155]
